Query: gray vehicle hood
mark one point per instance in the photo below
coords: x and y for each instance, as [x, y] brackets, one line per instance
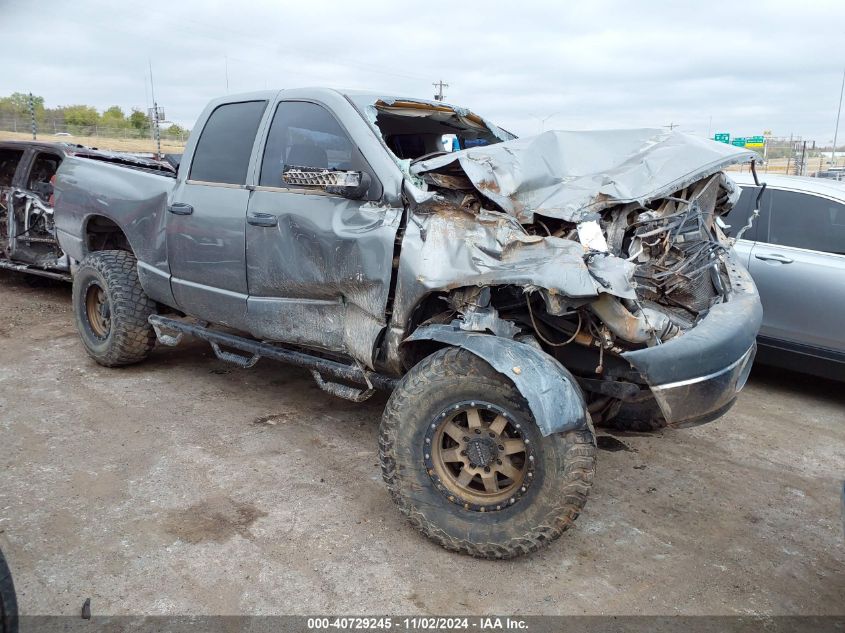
[573, 175]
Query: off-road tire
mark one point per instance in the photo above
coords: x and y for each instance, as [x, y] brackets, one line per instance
[130, 337]
[8, 600]
[644, 416]
[565, 463]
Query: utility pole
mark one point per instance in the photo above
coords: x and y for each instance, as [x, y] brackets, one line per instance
[672, 126]
[32, 114]
[800, 167]
[836, 130]
[439, 85]
[154, 114]
[226, 62]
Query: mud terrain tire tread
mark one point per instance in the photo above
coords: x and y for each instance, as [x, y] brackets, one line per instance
[575, 456]
[131, 337]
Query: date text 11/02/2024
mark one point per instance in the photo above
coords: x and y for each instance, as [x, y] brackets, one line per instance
[431, 623]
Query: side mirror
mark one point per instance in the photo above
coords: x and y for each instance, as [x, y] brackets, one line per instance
[349, 184]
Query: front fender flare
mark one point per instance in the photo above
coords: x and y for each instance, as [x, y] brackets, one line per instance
[552, 393]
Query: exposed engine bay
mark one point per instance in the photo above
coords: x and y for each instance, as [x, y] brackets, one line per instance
[673, 242]
[672, 246]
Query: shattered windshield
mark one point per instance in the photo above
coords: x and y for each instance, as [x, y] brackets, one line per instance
[416, 129]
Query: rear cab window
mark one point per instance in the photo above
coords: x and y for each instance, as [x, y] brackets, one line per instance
[225, 145]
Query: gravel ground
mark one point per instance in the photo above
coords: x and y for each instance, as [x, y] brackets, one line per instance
[186, 486]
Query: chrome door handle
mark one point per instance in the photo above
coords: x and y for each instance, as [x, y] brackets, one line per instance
[262, 219]
[774, 257]
[180, 208]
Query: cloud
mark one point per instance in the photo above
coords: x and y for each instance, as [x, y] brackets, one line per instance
[740, 67]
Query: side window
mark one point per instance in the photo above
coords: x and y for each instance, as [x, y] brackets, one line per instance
[807, 221]
[305, 135]
[223, 151]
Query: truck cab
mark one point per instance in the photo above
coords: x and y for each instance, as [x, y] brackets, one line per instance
[280, 260]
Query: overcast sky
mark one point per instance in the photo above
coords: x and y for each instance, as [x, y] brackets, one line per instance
[747, 66]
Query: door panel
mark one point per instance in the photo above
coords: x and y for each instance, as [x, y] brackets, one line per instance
[803, 294]
[321, 276]
[206, 252]
[206, 216]
[318, 265]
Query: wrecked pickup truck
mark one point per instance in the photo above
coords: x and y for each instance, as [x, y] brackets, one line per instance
[508, 293]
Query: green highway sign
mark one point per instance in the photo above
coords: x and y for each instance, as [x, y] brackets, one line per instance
[755, 141]
[739, 142]
[722, 137]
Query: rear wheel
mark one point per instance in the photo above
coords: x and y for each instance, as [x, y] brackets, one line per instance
[465, 462]
[111, 309]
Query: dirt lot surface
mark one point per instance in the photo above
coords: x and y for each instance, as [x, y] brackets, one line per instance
[100, 142]
[183, 485]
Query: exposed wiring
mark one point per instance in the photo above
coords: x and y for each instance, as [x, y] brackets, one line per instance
[548, 232]
[543, 338]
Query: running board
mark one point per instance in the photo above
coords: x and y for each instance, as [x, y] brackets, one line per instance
[169, 332]
[32, 270]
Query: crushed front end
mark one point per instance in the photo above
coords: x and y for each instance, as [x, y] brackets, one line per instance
[603, 249]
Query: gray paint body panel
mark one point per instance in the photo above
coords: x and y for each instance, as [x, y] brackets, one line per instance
[321, 277]
[572, 175]
[206, 253]
[134, 200]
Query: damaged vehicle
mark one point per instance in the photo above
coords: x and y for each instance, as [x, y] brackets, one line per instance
[507, 291]
[28, 240]
[27, 232]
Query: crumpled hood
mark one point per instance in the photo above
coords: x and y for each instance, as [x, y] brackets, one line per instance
[573, 175]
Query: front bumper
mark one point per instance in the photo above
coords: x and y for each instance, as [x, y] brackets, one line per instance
[696, 377]
[703, 399]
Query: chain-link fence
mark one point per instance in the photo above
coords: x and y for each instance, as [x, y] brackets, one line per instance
[173, 134]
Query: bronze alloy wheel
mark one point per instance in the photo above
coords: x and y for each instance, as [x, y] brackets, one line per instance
[478, 457]
[98, 310]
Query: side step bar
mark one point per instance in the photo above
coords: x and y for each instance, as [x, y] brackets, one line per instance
[32, 270]
[320, 367]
